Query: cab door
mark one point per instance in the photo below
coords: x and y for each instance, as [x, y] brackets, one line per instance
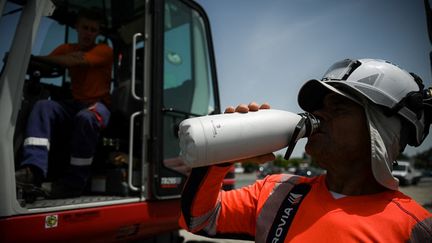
[185, 86]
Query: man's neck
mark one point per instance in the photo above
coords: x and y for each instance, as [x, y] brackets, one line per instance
[356, 182]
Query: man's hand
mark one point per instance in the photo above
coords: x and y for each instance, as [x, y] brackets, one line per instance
[243, 108]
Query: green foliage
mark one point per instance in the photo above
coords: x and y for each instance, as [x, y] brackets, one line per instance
[250, 167]
[283, 163]
[278, 162]
[423, 160]
[403, 157]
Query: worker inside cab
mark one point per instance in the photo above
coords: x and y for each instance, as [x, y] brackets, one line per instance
[80, 118]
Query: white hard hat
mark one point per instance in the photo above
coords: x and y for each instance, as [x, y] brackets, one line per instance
[395, 92]
[379, 81]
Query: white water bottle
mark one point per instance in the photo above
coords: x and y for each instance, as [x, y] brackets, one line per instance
[229, 137]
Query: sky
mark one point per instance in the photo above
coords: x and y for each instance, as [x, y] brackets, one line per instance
[265, 50]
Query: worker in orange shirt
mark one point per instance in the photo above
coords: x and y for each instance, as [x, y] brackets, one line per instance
[84, 116]
[369, 110]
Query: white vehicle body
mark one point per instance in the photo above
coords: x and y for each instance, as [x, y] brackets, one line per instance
[406, 173]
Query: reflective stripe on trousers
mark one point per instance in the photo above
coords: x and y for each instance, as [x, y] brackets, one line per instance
[37, 142]
[81, 161]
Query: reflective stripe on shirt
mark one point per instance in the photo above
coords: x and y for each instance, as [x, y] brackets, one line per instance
[271, 206]
[212, 221]
[196, 222]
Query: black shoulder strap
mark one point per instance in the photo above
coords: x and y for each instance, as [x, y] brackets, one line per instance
[286, 213]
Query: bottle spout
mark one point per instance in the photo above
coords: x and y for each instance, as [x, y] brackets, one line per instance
[307, 125]
[312, 124]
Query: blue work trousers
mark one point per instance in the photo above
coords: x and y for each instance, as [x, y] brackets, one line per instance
[83, 122]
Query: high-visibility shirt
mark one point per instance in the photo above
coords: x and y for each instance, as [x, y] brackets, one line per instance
[90, 83]
[250, 212]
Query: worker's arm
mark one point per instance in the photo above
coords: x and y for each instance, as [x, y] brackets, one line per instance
[207, 210]
[64, 60]
[100, 55]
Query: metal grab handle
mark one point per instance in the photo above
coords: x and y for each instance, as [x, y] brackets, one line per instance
[135, 37]
[130, 162]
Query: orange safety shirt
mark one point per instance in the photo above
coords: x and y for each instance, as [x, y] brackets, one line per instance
[90, 83]
[249, 212]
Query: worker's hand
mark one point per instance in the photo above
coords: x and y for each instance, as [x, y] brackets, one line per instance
[253, 106]
[242, 108]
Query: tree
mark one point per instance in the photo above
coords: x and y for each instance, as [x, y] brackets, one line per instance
[283, 163]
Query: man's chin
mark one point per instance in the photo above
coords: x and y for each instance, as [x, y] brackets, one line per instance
[85, 43]
[310, 148]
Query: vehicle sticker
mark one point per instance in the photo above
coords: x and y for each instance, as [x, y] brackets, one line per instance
[51, 221]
